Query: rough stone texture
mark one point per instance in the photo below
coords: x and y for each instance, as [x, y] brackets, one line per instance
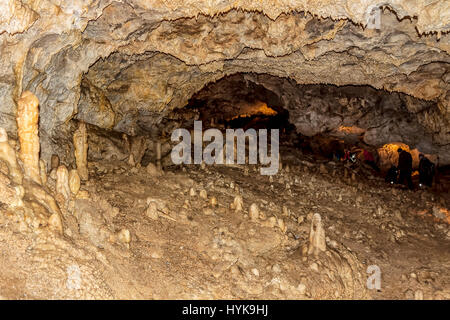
[144, 58]
[378, 116]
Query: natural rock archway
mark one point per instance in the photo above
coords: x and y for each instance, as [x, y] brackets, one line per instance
[139, 60]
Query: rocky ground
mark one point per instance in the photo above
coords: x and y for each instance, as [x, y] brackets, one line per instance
[140, 233]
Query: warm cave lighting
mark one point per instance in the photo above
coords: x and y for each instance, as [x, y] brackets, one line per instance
[258, 108]
[234, 150]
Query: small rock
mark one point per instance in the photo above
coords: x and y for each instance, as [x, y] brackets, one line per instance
[276, 268]
[55, 222]
[124, 236]
[313, 266]
[152, 170]
[213, 202]
[418, 295]
[301, 288]
[152, 211]
[208, 211]
[272, 222]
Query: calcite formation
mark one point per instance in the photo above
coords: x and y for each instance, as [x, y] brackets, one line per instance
[43, 172]
[120, 76]
[238, 203]
[253, 212]
[28, 132]
[317, 242]
[62, 182]
[80, 143]
[55, 222]
[54, 162]
[124, 66]
[11, 196]
[74, 182]
[8, 155]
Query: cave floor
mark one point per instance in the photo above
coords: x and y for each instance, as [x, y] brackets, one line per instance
[195, 250]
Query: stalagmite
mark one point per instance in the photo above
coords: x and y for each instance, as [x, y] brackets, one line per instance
[54, 162]
[55, 222]
[316, 236]
[253, 212]
[74, 182]
[131, 161]
[62, 182]
[203, 194]
[8, 155]
[43, 171]
[27, 128]
[152, 170]
[213, 201]
[282, 225]
[138, 146]
[271, 222]
[81, 149]
[124, 236]
[10, 195]
[238, 203]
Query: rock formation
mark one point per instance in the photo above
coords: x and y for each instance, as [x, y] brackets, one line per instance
[316, 236]
[80, 143]
[27, 130]
[124, 66]
[8, 155]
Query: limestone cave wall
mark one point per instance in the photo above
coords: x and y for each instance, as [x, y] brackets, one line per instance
[124, 65]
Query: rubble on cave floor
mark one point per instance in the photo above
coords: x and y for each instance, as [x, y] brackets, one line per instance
[227, 232]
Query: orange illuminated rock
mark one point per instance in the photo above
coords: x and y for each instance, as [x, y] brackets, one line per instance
[27, 128]
[81, 148]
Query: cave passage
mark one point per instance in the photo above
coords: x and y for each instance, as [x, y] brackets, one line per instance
[323, 121]
[93, 206]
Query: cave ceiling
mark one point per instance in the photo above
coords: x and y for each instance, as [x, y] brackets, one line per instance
[124, 65]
